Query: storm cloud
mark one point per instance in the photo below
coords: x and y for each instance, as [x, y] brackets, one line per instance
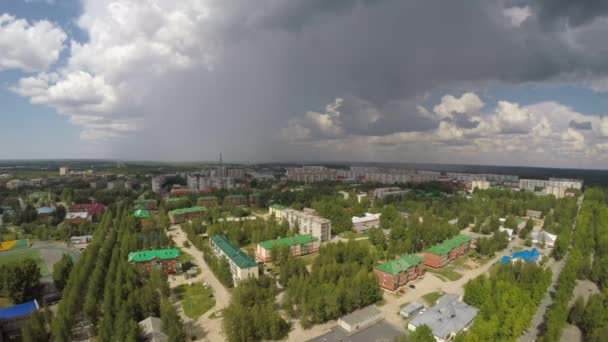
[288, 80]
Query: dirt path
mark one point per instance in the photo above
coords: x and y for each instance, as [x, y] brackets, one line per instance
[204, 327]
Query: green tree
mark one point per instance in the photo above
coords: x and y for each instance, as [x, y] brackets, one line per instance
[61, 271]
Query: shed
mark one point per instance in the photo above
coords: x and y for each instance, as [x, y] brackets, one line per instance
[360, 319]
[411, 310]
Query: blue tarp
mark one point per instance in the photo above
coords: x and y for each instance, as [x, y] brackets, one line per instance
[18, 310]
[530, 255]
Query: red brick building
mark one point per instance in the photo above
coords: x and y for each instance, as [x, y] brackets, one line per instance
[398, 272]
[165, 259]
[442, 254]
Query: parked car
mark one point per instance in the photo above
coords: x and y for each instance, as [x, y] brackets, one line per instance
[412, 286]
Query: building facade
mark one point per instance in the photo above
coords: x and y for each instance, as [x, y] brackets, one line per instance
[308, 222]
[241, 265]
[398, 272]
[164, 259]
[442, 254]
[311, 174]
[298, 245]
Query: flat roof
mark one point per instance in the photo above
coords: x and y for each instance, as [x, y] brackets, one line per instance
[288, 241]
[360, 315]
[446, 246]
[379, 332]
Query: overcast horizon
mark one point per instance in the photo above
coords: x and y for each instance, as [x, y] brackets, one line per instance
[506, 83]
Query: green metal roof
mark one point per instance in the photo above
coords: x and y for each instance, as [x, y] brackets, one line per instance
[240, 258]
[288, 241]
[187, 210]
[235, 197]
[143, 256]
[141, 213]
[278, 207]
[403, 263]
[446, 246]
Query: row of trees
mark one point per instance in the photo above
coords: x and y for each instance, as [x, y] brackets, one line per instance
[341, 281]
[20, 280]
[507, 300]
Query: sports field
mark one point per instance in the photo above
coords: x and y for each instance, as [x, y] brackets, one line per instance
[6, 258]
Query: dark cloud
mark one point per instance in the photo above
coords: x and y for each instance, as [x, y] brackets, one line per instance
[584, 125]
[571, 12]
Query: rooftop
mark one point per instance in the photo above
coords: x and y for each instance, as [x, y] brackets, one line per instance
[288, 241]
[77, 214]
[379, 332]
[164, 254]
[448, 316]
[240, 258]
[530, 255]
[18, 310]
[278, 207]
[151, 330]
[188, 210]
[141, 213]
[446, 246]
[402, 263]
[360, 315]
[45, 210]
[412, 307]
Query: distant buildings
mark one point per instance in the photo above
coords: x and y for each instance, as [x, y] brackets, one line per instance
[233, 200]
[398, 272]
[480, 184]
[13, 318]
[157, 184]
[298, 245]
[366, 222]
[14, 184]
[241, 265]
[64, 171]
[182, 215]
[92, 208]
[116, 184]
[311, 174]
[382, 193]
[307, 221]
[446, 318]
[45, 212]
[77, 217]
[164, 259]
[554, 186]
[442, 254]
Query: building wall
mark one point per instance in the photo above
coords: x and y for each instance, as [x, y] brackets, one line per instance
[169, 266]
[263, 254]
[238, 273]
[393, 282]
[354, 328]
[434, 260]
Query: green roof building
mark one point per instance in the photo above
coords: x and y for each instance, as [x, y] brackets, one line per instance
[448, 245]
[395, 273]
[165, 259]
[241, 265]
[298, 245]
[400, 264]
[141, 213]
[440, 255]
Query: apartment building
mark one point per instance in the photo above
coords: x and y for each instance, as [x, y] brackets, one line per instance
[480, 184]
[298, 245]
[442, 254]
[553, 186]
[381, 193]
[311, 174]
[241, 265]
[307, 221]
[164, 259]
[184, 214]
[398, 272]
[157, 184]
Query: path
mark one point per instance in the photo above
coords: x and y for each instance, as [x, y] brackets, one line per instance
[204, 327]
[532, 332]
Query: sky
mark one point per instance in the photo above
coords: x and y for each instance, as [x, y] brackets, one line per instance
[502, 82]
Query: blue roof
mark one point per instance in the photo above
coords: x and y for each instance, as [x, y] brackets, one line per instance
[530, 255]
[18, 310]
[45, 210]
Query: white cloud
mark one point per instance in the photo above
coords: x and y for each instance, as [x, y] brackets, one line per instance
[603, 126]
[468, 103]
[511, 118]
[29, 46]
[517, 15]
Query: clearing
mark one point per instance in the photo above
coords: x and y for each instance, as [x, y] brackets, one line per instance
[195, 299]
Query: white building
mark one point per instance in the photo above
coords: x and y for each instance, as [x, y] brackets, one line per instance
[366, 222]
[543, 237]
[157, 184]
[509, 232]
[241, 265]
[64, 171]
[14, 184]
[392, 191]
[307, 221]
[480, 184]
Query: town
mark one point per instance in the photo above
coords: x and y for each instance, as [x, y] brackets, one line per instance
[321, 253]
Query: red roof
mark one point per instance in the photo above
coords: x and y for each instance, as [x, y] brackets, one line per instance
[91, 208]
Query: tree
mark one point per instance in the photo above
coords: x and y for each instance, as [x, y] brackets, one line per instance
[20, 280]
[422, 334]
[61, 271]
[35, 329]
[576, 313]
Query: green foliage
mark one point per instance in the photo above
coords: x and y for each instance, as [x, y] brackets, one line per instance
[422, 334]
[37, 328]
[20, 280]
[252, 313]
[61, 271]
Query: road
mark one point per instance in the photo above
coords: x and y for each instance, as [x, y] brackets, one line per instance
[537, 319]
[204, 327]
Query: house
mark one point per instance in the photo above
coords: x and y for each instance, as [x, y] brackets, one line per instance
[530, 255]
[182, 215]
[151, 330]
[440, 255]
[235, 200]
[241, 265]
[360, 319]
[395, 273]
[45, 212]
[207, 201]
[95, 209]
[165, 259]
[298, 245]
[78, 217]
[366, 222]
[446, 318]
[12, 318]
[543, 237]
[509, 232]
[411, 310]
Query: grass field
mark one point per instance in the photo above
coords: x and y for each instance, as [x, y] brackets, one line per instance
[6, 257]
[195, 299]
[431, 298]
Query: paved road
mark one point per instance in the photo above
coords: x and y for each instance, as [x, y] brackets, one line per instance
[204, 327]
[556, 268]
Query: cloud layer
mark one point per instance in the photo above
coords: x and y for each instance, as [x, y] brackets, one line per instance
[270, 80]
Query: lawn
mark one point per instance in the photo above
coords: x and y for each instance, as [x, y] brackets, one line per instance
[9, 257]
[447, 273]
[431, 298]
[195, 299]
